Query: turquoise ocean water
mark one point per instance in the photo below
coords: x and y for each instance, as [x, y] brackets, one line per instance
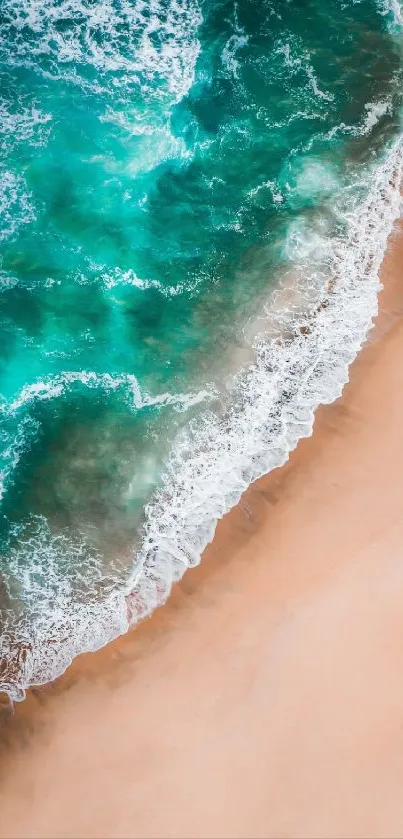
[195, 198]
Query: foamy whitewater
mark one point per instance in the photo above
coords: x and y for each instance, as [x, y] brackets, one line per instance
[126, 434]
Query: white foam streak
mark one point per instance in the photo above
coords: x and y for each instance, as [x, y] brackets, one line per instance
[302, 64]
[53, 387]
[117, 277]
[328, 97]
[236, 42]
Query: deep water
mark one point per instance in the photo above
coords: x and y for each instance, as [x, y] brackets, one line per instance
[165, 166]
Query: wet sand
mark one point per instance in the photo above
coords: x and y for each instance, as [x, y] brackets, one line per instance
[266, 698]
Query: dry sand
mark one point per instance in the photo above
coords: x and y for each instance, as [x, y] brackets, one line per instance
[266, 698]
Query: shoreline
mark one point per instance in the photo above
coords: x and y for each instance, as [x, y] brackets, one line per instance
[210, 469]
[212, 718]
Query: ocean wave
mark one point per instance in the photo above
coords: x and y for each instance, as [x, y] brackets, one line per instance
[217, 459]
[304, 364]
[136, 43]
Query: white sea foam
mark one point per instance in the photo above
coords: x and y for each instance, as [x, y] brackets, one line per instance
[16, 207]
[301, 63]
[215, 459]
[272, 186]
[7, 280]
[393, 8]
[328, 97]
[118, 277]
[29, 123]
[235, 42]
[315, 179]
[138, 42]
[374, 112]
[233, 45]
[154, 143]
[69, 605]
[53, 387]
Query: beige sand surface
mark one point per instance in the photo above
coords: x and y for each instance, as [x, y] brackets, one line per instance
[266, 698]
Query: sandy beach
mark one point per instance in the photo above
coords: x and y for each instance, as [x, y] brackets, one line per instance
[266, 698]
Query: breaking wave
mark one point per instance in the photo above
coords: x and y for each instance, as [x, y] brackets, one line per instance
[138, 44]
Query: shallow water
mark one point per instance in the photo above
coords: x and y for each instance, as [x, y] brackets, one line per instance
[166, 168]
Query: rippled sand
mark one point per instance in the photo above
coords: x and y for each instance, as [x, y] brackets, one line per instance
[266, 698]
